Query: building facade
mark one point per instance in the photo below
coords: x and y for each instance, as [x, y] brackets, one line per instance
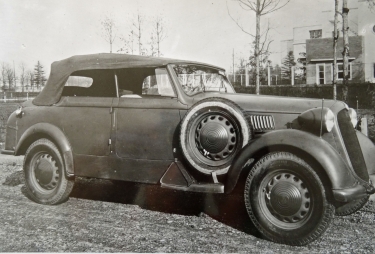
[317, 42]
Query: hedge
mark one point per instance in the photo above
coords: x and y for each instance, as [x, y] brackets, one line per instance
[361, 92]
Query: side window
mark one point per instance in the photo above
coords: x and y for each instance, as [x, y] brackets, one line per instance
[91, 83]
[158, 84]
[79, 81]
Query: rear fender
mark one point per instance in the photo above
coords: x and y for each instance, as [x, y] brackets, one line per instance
[338, 172]
[46, 130]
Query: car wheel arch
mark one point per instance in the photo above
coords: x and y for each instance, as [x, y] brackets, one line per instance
[321, 157]
[52, 133]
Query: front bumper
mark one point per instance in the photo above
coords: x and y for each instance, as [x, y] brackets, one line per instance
[357, 192]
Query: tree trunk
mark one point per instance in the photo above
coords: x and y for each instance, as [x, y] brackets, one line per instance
[345, 53]
[257, 41]
[335, 38]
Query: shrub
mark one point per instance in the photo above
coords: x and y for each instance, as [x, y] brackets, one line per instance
[364, 93]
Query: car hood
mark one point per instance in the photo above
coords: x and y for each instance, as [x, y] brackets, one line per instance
[274, 104]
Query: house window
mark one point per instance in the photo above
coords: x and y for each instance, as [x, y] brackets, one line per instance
[340, 71]
[320, 74]
[315, 34]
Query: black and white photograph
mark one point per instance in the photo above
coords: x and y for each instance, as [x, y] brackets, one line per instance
[187, 126]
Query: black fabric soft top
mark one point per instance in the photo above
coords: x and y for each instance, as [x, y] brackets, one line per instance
[61, 70]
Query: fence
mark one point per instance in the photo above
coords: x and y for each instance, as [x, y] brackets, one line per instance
[17, 96]
[275, 79]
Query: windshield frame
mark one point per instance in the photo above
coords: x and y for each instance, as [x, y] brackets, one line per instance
[219, 71]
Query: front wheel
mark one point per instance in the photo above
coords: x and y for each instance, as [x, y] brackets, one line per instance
[286, 200]
[45, 178]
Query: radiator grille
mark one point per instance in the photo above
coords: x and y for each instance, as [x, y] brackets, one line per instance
[352, 144]
[262, 122]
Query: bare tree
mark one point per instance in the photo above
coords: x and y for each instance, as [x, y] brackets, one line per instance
[138, 31]
[335, 39]
[128, 43]
[23, 76]
[153, 45]
[4, 74]
[30, 79]
[345, 52]
[10, 76]
[159, 32]
[371, 4]
[261, 8]
[108, 31]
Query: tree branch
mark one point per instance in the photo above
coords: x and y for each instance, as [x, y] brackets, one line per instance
[275, 8]
[235, 21]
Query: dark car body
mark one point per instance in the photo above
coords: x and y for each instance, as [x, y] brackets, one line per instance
[136, 137]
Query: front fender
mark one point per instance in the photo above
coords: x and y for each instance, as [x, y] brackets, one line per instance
[368, 151]
[52, 132]
[291, 140]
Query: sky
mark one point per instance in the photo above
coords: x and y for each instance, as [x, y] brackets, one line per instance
[199, 30]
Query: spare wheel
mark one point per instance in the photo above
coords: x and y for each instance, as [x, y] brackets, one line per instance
[212, 132]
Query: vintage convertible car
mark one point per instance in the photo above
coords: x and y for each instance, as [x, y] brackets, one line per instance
[181, 125]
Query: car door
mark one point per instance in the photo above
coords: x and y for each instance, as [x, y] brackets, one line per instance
[146, 127]
[87, 119]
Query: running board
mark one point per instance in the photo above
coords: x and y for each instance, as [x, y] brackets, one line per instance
[178, 178]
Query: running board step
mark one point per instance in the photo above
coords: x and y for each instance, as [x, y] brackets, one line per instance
[178, 178]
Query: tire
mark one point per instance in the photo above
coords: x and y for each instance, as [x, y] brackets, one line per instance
[45, 178]
[343, 209]
[212, 132]
[286, 200]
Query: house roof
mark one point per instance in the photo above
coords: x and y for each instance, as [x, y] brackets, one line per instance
[61, 70]
[321, 49]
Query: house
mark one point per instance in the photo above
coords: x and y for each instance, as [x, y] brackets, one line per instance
[317, 42]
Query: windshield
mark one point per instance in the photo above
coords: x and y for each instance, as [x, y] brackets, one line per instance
[195, 79]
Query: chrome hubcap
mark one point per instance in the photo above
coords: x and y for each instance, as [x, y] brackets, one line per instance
[286, 197]
[215, 137]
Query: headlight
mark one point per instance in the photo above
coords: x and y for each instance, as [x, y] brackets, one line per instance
[353, 117]
[315, 118]
[329, 120]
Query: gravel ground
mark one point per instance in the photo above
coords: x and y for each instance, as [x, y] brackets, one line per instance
[103, 217]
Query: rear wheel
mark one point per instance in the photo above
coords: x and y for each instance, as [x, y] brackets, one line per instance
[286, 200]
[45, 178]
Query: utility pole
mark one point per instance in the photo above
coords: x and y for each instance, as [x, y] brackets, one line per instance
[234, 76]
[257, 40]
[14, 76]
[335, 38]
[345, 52]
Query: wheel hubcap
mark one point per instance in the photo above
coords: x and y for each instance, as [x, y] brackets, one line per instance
[215, 137]
[46, 172]
[287, 198]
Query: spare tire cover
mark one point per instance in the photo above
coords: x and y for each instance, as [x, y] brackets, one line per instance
[212, 132]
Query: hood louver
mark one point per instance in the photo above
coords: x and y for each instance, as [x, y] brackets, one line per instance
[262, 122]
